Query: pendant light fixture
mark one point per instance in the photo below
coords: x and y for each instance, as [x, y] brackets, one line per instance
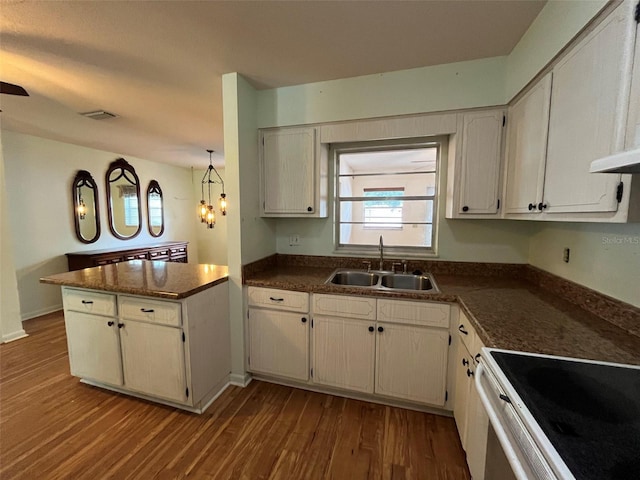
[206, 211]
[82, 208]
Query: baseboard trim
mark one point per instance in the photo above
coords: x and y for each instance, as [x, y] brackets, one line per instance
[17, 335]
[240, 380]
[40, 313]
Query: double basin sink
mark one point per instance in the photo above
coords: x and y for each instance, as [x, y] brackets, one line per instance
[383, 280]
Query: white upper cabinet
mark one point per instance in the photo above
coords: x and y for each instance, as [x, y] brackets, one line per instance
[293, 167]
[526, 149]
[474, 165]
[578, 112]
[589, 103]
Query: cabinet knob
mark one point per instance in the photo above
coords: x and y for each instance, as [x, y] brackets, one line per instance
[110, 323]
[371, 329]
[478, 357]
[532, 206]
[120, 325]
[303, 320]
[87, 302]
[380, 329]
[465, 209]
[461, 328]
[309, 209]
[465, 362]
[542, 206]
[469, 373]
[147, 310]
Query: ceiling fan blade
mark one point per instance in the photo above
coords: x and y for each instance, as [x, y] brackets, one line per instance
[12, 89]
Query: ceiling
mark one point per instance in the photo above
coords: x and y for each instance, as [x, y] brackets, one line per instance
[158, 64]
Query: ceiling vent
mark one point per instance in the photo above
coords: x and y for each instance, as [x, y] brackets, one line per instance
[99, 115]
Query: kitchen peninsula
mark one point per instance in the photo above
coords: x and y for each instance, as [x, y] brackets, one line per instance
[151, 329]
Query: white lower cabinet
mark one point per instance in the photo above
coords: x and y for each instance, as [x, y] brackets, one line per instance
[411, 363]
[390, 348]
[343, 353]
[471, 418]
[175, 352]
[153, 360]
[278, 333]
[94, 347]
[393, 348]
[279, 343]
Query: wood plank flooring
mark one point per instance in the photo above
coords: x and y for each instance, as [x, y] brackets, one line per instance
[53, 427]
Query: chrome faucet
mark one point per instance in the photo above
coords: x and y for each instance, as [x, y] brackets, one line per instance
[381, 254]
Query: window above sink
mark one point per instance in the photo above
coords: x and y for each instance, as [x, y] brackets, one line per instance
[388, 187]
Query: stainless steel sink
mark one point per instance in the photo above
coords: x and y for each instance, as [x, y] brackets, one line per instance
[383, 280]
[354, 278]
[407, 281]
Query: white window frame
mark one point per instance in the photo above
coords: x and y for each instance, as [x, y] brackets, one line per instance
[376, 146]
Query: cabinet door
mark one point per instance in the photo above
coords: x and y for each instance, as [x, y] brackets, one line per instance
[477, 431]
[480, 163]
[343, 353]
[279, 343]
[411, 362]
[587, 104]
[94, 347]
[289, 171]
[463, 383]
[527, 149]
[153, 360]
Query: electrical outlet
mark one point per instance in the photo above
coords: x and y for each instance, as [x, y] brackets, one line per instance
[294, 240]
[565, 255]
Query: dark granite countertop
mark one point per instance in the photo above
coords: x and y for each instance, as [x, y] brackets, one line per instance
[144, 277]
[508, 310]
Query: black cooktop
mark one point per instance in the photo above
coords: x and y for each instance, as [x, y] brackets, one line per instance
[590, 412]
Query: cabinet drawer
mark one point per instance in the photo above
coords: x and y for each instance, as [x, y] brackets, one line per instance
[153, 311]
[162, 254]
[414, 313]
[344, 306]
[467, 333]
[278, 299]
[89, 301]
[106, 261]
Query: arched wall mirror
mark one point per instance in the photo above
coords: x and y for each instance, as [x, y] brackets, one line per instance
[86, 214]
[123, 200]
[155, 209]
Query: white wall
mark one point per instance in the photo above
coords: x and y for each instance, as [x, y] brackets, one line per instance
[477, 83]
[603, 257]
[10, 326]
[556, 24]
[39, 174]
[250, 237]
[211, 242]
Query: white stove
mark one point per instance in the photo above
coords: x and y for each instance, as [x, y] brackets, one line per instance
[563, 418]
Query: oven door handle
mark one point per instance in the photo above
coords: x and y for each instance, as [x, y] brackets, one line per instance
[498, 427]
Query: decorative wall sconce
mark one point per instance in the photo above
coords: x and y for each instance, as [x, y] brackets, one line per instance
[206, 211]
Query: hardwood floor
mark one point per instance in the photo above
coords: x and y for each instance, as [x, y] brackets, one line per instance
[53, 427]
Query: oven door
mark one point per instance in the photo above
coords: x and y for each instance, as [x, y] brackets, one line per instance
[520, 442]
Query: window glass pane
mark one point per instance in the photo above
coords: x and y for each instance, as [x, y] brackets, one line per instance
[401, 160]
[411, 211]
[411, 235]
[413, 185]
